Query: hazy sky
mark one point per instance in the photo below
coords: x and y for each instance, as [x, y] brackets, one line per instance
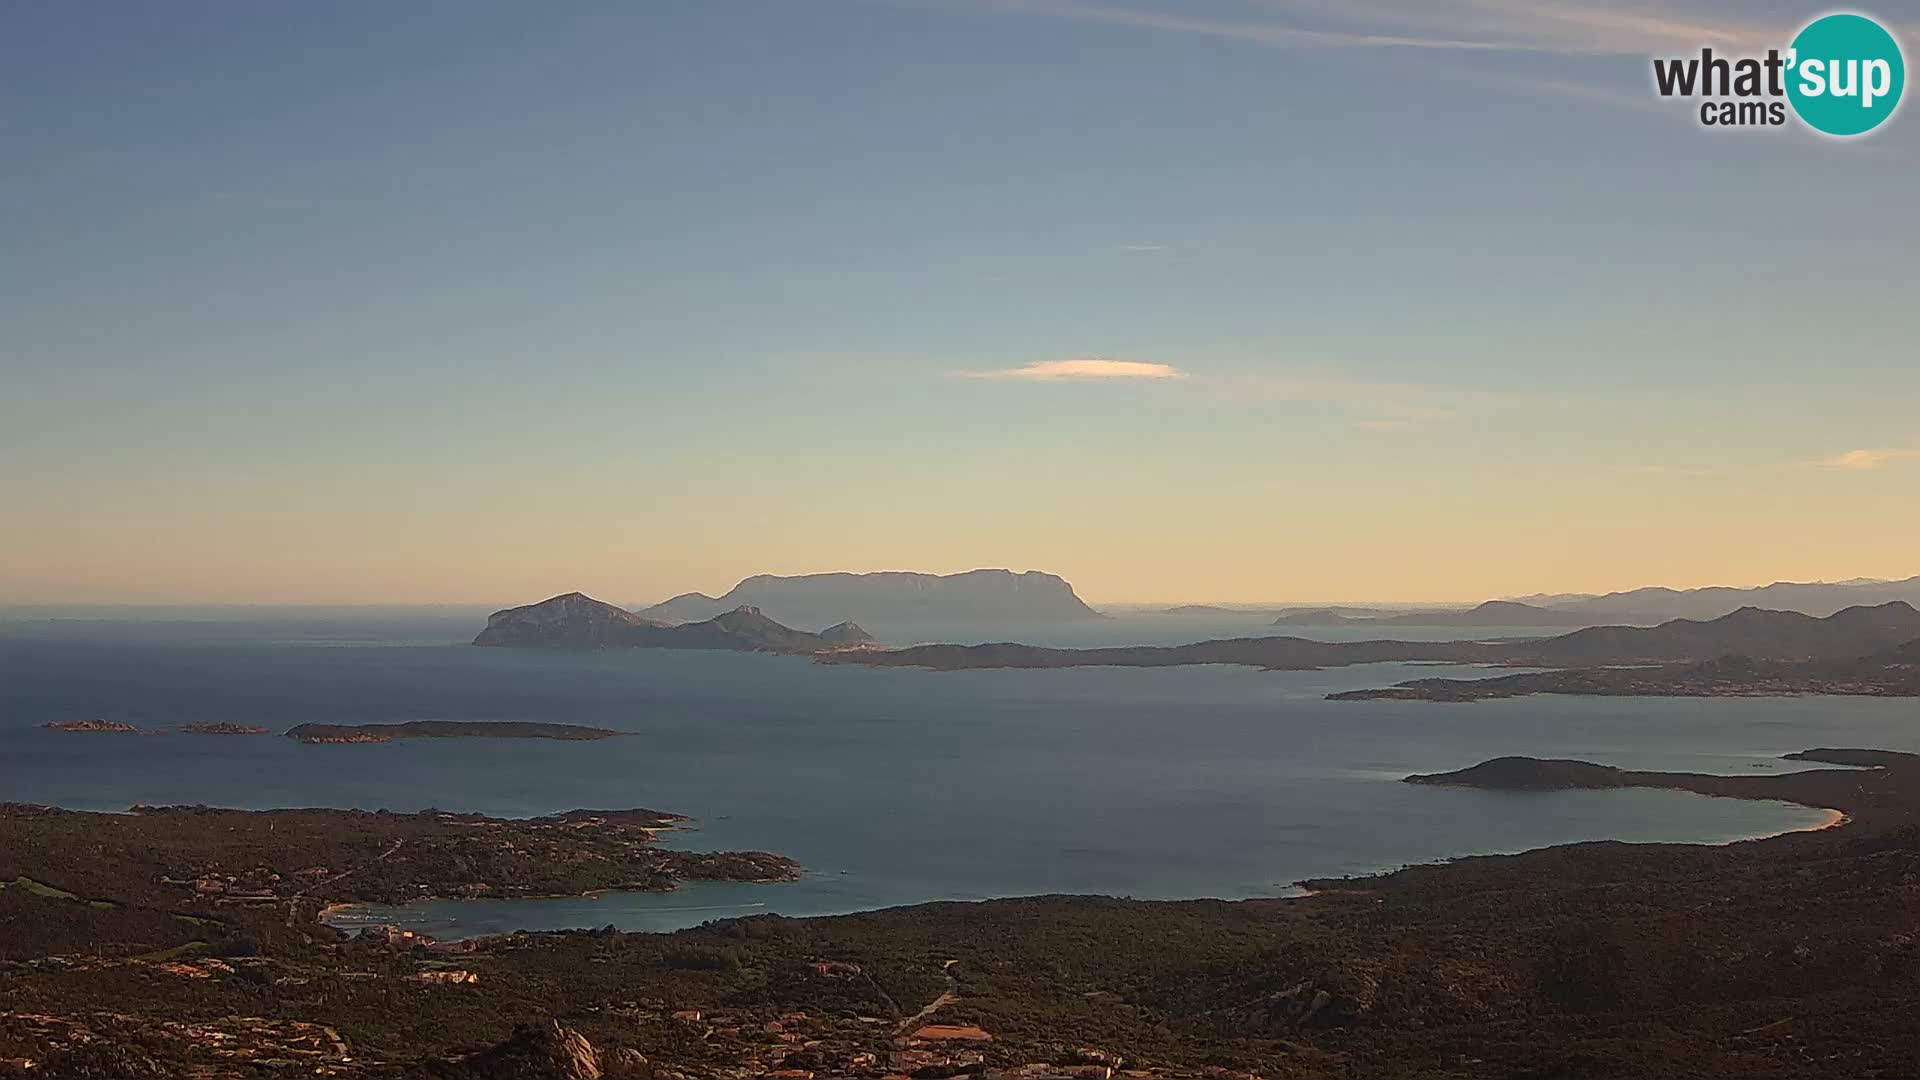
[1213, 299]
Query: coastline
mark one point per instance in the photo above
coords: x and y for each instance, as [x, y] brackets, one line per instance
[1301, 889]
[1835, 819]
[1462, 943]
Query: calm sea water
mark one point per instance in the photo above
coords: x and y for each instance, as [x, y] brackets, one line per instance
[890, 786]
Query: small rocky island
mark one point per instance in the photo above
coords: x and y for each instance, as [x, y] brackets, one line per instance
[444, 729]
[221, 728]
[91, 725]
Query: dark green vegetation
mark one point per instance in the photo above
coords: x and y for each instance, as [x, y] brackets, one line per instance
[187, 873]
[1796, 956]
[443, 729]
[1891, 672]
[1779, 635]
[575, 621]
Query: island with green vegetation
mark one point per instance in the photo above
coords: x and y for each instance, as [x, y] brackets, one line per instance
[1790, 957]
[444, 729]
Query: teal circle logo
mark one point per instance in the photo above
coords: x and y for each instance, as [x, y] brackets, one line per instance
[1845, 74]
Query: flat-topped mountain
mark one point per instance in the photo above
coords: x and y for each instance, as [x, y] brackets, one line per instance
[999, 596]
[577, 621]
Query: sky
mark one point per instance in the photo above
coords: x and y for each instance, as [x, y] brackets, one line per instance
[1184, 300]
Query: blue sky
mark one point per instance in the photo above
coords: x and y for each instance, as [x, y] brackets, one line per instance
[446, 301]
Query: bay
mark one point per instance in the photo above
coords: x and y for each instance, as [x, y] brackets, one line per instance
[890, 786]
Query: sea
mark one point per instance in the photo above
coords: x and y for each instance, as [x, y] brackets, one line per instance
[890, 786]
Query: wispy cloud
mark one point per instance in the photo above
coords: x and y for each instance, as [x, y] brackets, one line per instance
[1084, 369]
[1383, 405]
[1406, 417]
[1631, 27]
[1673, 470]
[1864, 459]
[1260, 31]
[1488, 29]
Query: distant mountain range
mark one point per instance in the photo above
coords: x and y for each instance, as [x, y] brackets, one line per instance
[577, 621]
[1893, 672]
[996, 596]
[1491, 613]
[1751, 632]
[1639, 607]
[1654, 604]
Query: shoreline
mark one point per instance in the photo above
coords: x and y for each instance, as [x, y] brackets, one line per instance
[1301, 889]
[1835, 819]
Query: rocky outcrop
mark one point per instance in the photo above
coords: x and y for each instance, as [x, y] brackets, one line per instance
[846, 633]
[570, 620]
[575, 621]
[541, 1051]
[90, 725]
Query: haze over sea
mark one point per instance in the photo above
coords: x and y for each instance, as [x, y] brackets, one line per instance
[890, 786]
